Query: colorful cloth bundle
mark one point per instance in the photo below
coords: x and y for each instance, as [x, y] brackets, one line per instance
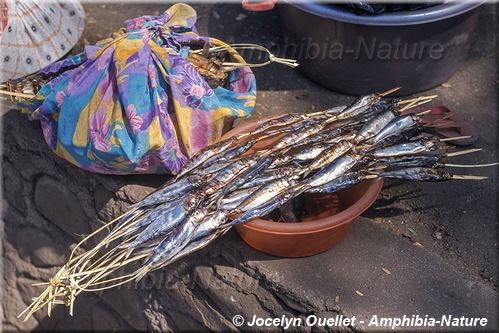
[132, 103]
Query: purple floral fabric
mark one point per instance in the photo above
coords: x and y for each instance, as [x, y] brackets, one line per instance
[134, 104]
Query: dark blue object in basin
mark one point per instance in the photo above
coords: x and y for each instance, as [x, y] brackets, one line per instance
[353, 54]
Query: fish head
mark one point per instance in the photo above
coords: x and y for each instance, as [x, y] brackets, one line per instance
[221, 217]
[198, 215]
[193, 200]
[429, 144]
[289, 194]
[197, 180]
[367, 99]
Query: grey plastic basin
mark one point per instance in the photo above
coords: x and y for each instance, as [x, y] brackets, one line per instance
[352, 54]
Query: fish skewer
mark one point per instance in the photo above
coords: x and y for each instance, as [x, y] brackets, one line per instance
[323, 136]
[294, 137]
[228, 174]
[231, 153]
[328, 156]
[267, 207]
[255, 170]
[429, 161]
[336, 148]
[296, 126]
[166, 222]
[177, 240]
[232, 200]
[359, 104]
[335, 169]
[372, 127]
[399, 124]
[173, 191]
[265, 193]
[404, 136]
[269, 175]
[277, 122]
[311, 152]
[406, 148]
[198, 242]
[205, 154]
[425, 174]
[344, 181]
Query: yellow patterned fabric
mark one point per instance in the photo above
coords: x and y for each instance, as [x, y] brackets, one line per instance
[134, 104]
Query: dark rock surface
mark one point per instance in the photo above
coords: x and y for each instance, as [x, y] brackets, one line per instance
[421, 249]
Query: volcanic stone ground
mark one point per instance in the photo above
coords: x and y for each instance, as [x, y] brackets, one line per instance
[422, 249]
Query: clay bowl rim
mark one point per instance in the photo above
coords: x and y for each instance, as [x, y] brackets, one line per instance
[345, 216]
[330, 222]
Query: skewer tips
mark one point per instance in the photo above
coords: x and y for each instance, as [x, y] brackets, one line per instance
[446, 147]
[16, 94]
[423, 113]
[455, 138]
[468, 177]
[383, 94]
[462, 152]
[471, 165]
[406, 101]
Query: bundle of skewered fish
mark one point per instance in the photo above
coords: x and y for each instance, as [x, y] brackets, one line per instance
[22, 88]
[223, 185]
[210, 64]
[213, 64]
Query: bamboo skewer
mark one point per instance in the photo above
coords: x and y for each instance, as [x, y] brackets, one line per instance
[471, 165]
[455, 138]
[388, 92]
[417, 98]
[462, 152]
[468, 177]
[16, 94]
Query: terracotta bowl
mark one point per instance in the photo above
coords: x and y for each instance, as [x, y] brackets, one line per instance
[328, 217]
